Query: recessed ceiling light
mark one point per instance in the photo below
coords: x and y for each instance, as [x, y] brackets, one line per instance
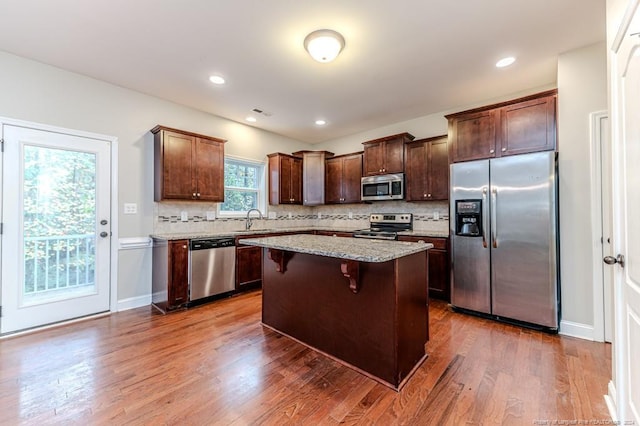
[505, 62]
[321, 122]
[216, 79]
[251, 119]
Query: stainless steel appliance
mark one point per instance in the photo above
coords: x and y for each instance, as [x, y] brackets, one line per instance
[504, 238]
[212, 267]
[385, 226]
[383, 187]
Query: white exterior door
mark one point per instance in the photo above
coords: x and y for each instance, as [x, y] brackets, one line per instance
[56, 204]
[625, 104]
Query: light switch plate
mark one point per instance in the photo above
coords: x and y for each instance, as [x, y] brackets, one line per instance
[184, 216]
[130, 208]
[211, 215]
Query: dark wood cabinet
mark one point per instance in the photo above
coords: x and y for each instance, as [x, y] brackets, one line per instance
[438, 261]
[427, 169]
[343, 174]
[248, 267]
[516, 127]
[385, 155]
[170, 275]
[285, 179]
[313, 176]
[187, 166]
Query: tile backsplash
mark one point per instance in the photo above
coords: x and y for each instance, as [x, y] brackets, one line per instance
[427, 216]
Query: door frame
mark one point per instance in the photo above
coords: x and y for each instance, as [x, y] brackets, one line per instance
[113, 243]
[601, 224]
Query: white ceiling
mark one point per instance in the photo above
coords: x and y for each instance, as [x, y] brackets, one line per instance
[403, 59]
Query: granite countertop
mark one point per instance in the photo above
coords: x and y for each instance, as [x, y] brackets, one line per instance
[364, 250]
[248, 234]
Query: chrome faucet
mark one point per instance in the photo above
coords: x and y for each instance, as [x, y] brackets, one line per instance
[248, 222]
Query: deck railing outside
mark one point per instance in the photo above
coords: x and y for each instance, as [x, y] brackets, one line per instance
[58, 262]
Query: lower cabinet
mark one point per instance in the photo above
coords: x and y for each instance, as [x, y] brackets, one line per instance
[170, 274]
[438, 261]
[248, 266]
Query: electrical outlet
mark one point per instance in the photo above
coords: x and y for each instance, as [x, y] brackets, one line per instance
[130, 208]
[350, 215]
[290, 215]
[319, 215]
[436, 215]
[211, 215]
[272, 215]
[184, 216]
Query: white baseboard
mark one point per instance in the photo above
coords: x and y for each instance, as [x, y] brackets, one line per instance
[134, 302]
[575, 329]
[610, 399]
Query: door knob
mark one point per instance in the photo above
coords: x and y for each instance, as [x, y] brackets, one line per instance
[104, 234]
[610, 260]
[103, 222]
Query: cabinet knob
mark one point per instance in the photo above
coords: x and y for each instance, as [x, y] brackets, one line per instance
[194, 195]
[184, 246]
[429, 195]
[491, 151]
[198, 195]
[504, 149]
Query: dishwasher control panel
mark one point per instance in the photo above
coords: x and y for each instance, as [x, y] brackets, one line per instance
[211, 243]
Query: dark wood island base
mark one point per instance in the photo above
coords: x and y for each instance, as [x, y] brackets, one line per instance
[370, 316]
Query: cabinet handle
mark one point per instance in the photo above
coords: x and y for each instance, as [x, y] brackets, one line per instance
[491, 151]
[504, 149]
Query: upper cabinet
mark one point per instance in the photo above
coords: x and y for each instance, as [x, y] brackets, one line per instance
[344, 173]
[285, 179]
[313, 176]
[427, 169]
[385, 155]
[187, 166]
[516, 127]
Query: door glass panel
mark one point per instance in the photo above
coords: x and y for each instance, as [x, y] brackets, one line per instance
[59, 221]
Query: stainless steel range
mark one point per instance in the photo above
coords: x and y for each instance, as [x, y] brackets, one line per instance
[385, 226]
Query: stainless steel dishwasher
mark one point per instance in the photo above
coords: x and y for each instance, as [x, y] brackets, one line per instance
[212, 267]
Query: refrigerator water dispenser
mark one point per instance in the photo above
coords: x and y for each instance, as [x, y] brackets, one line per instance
[469, 218]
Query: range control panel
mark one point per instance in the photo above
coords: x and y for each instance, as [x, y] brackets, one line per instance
[390, 218]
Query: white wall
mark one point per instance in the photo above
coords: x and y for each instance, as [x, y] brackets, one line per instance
[40, 93]
[582, 89]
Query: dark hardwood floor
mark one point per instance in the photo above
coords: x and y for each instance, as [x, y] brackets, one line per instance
[216, 364]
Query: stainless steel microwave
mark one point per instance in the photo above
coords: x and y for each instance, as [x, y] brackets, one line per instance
[383, 187]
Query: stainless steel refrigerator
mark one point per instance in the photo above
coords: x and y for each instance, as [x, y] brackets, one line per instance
[504, 238]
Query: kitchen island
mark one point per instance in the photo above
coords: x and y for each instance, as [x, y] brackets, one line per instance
[362, 302]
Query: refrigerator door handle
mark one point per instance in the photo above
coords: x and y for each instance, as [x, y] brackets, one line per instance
[484, 216]
[494, 219]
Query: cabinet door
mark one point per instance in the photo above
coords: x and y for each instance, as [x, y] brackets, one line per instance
[394, 156]
[209, 160]
[473, 136]
[177, 166]
[438, 171]
[248, 265]
[351, 178]
[178, 285]
[333, 181]
[439, 274]
[296, 180]
[528, 126]
[416, 172]
[313, 177]
[374, 159]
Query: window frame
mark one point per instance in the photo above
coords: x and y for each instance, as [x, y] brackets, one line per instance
[261, 187]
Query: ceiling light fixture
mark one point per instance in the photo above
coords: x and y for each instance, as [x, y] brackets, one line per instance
[320, 122]
[251, 119]
[505, 62]
[216, 79]
[324, 45]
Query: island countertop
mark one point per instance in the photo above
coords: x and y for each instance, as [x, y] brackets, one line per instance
[360, 249]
